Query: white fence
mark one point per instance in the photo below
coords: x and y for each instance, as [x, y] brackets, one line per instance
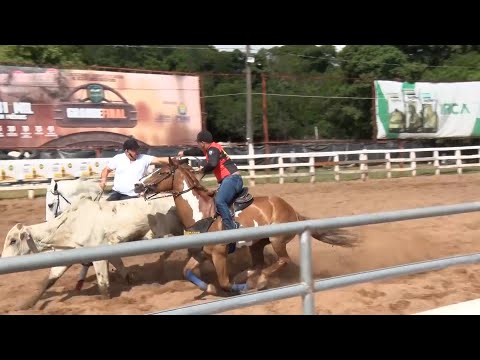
[281, 166]
[305, 288]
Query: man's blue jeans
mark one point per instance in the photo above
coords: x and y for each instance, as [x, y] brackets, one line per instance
[229, 188]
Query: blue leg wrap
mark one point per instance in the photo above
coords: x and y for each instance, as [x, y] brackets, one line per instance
[191, 277]
[239, 287]
[231, 247]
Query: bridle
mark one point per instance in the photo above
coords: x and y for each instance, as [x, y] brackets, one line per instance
[175, 194]
[58, 194]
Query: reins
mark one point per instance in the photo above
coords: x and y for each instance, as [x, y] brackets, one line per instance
[169, 193]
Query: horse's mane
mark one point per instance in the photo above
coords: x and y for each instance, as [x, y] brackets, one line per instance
[189, 173]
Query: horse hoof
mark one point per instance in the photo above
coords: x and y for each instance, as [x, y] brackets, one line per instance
[211, 289]
[239, 288]
[262, 282]
[258, 282]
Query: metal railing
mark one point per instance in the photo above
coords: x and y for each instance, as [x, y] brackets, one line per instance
[306, 288]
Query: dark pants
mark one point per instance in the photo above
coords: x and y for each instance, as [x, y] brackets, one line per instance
[116, 196]
[229, 188]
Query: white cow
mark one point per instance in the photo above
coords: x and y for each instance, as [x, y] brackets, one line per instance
[91, 223]
[60, 194]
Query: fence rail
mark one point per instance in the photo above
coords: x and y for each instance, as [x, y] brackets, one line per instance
[281, 166]
[305, 288]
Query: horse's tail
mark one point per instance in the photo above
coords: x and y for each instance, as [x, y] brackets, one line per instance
[337, 237]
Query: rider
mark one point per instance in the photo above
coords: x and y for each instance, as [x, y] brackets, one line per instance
[225, 170]
[129, 167]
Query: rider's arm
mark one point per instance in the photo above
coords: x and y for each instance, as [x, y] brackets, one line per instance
[192, 152]
[213, 159]
[159, 161]
[103, 177]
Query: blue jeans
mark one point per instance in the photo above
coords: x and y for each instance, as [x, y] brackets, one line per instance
[229, 188]
[116, 196]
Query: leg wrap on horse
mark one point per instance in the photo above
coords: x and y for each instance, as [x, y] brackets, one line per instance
[240, 288]
[190, 276]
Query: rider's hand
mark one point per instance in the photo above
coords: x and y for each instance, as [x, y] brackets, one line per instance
[180, 153]
[102, 185]
[211, 192]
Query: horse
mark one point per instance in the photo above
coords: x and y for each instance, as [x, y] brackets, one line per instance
[197, 211]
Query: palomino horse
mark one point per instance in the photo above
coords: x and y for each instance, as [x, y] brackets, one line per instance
[196, 208]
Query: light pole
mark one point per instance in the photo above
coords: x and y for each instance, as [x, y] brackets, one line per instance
[251, 152]
[249, 98]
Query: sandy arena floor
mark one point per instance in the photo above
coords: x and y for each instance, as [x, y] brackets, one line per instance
[162, 287]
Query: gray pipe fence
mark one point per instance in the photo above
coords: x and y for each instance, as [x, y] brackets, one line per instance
[306, 288]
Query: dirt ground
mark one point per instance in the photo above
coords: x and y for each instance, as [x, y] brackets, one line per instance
[160, 286]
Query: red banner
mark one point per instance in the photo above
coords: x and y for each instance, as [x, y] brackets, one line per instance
[74, 108]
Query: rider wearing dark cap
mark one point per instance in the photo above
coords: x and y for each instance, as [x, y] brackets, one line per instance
[225, 170]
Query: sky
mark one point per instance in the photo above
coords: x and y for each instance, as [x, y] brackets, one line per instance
[254, 47]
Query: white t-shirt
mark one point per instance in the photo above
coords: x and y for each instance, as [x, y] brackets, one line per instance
[127, 172]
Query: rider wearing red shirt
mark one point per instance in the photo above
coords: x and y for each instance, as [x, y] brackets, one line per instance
[225, 170]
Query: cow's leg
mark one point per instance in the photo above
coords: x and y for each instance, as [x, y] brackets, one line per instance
[82, 276]
[55, 274]
[101, 270]
[124, 273]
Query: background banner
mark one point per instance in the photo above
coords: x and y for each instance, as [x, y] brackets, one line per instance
[60, 108]
[427, 110]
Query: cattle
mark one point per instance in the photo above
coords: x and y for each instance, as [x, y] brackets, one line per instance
[60, 194]
[88, 223]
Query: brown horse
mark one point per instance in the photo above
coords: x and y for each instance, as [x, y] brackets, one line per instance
[196, 208]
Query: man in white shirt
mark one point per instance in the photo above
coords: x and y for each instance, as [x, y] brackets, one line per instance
[130, 166]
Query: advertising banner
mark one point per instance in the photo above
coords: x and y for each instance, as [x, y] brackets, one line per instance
[427, 110]
[67, 108]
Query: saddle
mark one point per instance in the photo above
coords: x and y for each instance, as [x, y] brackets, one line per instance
[241, 201]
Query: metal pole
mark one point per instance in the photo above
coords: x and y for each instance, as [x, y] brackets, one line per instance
[249, 97]
[103, 252]
[236, 302]
[395, 271]
[306, 276]
[265, 115]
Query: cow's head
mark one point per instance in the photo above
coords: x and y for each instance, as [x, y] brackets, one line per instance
[51, 200]
[18, 241]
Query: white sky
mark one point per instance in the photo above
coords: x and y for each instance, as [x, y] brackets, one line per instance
[254, 47]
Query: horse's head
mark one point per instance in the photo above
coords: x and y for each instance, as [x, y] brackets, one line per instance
[159, 180]
[169, 177]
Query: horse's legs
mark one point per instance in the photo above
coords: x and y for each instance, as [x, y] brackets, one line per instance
[219, 258]
[256, 251]
[55, 274]
[258, 261]
[101, 270]
[279, 245]
[191, 265]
